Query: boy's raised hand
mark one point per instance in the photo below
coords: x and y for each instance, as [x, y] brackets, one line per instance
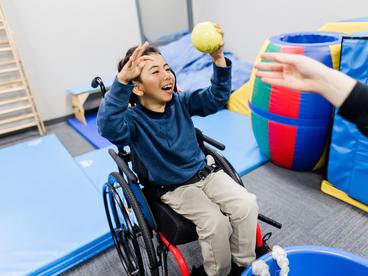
[218, 55]
[134, 66]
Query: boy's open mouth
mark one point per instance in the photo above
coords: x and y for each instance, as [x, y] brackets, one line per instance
[167, 87]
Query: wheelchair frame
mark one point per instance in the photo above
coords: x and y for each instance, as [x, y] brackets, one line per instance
[141, 247]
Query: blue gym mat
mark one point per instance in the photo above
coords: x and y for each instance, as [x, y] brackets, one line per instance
[235, 132]
[52, 216]
[97, 165]
[89, 131]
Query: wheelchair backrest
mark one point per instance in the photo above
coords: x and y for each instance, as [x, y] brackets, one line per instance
[139, 168]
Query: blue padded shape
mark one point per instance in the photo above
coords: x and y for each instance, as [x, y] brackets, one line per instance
[89, 131]
[97, 165]
[52, 217]
[235, 132]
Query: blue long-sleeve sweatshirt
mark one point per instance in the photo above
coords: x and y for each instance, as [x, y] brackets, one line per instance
[165, 142]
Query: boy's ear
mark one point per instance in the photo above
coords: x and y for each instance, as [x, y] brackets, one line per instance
[138, 89]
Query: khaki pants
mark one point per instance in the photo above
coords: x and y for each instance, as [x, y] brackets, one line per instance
[225, 215]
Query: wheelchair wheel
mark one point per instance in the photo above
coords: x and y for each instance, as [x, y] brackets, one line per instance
[132, 237]
[224, 164]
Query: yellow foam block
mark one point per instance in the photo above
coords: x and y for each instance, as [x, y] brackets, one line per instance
[344, 27]
[238, 101]
[329, 189]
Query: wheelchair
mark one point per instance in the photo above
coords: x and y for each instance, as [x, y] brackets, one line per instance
[144, 229]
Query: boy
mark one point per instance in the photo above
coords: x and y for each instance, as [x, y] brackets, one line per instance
[160, 130]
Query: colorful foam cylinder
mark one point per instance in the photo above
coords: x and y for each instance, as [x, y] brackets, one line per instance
[348, 158]
[291, 127]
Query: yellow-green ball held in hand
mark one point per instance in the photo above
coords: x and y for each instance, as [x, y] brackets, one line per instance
[206, 38]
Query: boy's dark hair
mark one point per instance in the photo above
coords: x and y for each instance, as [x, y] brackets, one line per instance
[150, 50]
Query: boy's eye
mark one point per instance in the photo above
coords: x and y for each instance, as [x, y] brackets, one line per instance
[154, 72]
[168, 70]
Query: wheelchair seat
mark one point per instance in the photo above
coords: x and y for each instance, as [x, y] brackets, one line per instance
[176, 228]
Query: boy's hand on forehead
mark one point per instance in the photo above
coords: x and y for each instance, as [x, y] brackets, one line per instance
[134, 66]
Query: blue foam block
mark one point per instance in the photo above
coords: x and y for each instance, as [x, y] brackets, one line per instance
[52, 217]
[89, 131]
[235, 132]
[97, 165]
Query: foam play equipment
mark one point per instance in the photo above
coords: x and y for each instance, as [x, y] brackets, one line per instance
[239, 99]
[347, 170]
[291, 127]
[89, 131]
[97, 165]
[52, 216]
[205, 37]
[346, 26]
[316, 261]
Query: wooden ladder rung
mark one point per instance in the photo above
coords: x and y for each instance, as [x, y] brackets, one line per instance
[4, 42]
[13, 89]
[8, 70]
[10, 82]
[15, 119]
[11, 129]
[5, 49]
[2, 28]
[18, 108]
[15, 100]
[8, 62]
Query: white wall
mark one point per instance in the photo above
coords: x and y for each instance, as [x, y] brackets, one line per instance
[162, 17]
[248, 23]
[65, 43]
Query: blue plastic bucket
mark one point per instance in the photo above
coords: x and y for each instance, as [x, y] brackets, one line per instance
[317, 261]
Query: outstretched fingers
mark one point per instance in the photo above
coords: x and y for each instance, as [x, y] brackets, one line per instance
[269, 66]
[271, 75]
[282, 58]
[275, 81]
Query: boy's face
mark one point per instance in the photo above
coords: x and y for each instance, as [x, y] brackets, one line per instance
[156, 84]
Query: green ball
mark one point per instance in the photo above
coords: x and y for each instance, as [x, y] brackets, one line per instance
[206, 38]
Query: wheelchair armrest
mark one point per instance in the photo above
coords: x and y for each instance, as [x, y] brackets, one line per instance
[123, 166]
[213, 142]
[201, 138]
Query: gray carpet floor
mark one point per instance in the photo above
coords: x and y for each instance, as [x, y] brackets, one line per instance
[309, 217]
